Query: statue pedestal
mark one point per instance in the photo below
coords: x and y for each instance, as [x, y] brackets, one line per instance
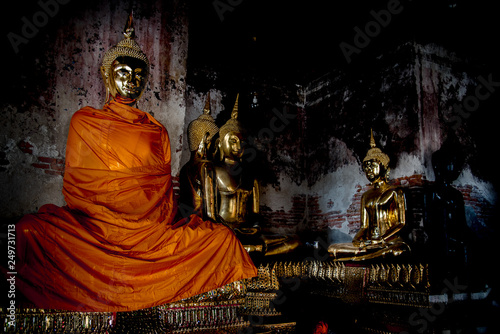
[380, 297]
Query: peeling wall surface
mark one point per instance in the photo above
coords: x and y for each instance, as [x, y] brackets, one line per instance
[407, 98]
[59, 73]
[308, 139]
[311, 168]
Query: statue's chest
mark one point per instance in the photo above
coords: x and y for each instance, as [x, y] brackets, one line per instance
[229, 184]
[132, 149]
[372, 199]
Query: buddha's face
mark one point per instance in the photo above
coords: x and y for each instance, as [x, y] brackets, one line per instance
[374, 170]
[446, 169]
[128, 77]
[231, 146]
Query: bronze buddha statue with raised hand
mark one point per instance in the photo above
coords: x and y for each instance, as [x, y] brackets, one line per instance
[201, 133]
[382, 215]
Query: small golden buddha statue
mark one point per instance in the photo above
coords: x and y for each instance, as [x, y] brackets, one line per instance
[201, 131]
[232, 193]
[236, 192]
[382, 215]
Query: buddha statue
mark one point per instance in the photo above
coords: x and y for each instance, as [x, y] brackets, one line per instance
[201, 133]
[232, 192]
[382, 215]
[444, 216]
[116, 246]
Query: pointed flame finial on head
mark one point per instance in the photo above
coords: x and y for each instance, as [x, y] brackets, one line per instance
[127, 47]
[372, 140]
[128, 31]
[374, 153]
[233, 124]
[206, 109]
[234, 113]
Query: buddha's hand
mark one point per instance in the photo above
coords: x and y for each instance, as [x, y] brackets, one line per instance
[360, 243]
[378, 241]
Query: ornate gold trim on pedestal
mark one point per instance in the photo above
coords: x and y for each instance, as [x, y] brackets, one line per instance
[261, 292]
[384, 283]
[399, 284]
[283, 328]
[32, 320]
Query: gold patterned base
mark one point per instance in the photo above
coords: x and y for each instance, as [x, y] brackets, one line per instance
[228, 308]
[282, 328]
[384, 283]
[215, 310]
[57, 321]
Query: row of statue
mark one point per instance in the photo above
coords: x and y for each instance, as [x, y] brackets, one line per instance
[217, 186]
[117, 245]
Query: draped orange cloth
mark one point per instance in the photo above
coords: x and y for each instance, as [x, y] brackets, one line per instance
[115, 246]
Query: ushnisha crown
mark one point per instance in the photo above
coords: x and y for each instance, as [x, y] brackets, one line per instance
[200, 126]
[374, 153]
[127, 47]
[233, 124]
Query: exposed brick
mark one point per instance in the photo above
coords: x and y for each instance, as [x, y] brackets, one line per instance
[51, 166]
[53, 172]
[41, 166]
[47, 160]
[306, 208]
[25, 147]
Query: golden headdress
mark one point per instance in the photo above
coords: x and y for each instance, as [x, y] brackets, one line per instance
[233, 124]
[127, 47]
[200, 126]
[374, 153]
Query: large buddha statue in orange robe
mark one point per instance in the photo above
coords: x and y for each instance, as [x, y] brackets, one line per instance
[115, 246]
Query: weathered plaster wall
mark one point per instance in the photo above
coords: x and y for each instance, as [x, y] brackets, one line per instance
[307, 140]
[311, 168]
[58, 73]
[407, 97]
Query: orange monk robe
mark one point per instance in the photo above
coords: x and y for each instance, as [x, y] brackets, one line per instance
[115, 246]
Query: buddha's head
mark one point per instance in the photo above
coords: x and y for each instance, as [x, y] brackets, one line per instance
[231, 145]
[202, 127]
[376, 163]
[232, 136]
[448, 161]
[125, 68]
[374, 170]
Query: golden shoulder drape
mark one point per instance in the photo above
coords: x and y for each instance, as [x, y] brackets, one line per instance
[115, 245]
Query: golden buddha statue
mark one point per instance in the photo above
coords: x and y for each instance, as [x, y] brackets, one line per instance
[125, 68]
[232, 193]
[382, 215]
[237, 189]
[201, 131]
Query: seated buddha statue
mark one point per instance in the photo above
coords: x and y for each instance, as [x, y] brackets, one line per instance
[382, 215]
[232, 192]
[201, 131]
[115, 246]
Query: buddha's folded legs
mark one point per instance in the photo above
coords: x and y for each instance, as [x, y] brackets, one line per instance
[349, 252]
